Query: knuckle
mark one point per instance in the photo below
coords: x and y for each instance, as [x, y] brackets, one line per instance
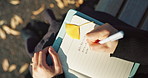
[104, 32]
[60, 71]
[55, 54]
[58, 68]
[87, 35]
[34, 69]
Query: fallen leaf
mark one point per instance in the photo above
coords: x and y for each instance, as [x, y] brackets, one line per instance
[15, 2]
[65, 2]
[18, 18]
[77, 4]
[33, 17]
[14, 32]
[2, 34]
[23, 68]
[60, 4]
[12, 67]
[2, 22]
[51, 5]
[15, 21]
[39, 10]
[71, 1]
[5, 64]
[6, 29]
[80, 1]
[10, 31]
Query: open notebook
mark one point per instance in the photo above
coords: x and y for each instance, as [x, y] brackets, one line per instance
[79, 61]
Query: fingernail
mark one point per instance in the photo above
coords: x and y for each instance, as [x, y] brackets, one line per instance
[97, 41]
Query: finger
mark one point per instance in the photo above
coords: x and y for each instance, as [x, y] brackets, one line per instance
[92, 36]
[89, 41]
[42, 57]
[95, 46]
[35, 61]
[98, 47]
[32, 59]
[35, 58]
[56, 60]
[100, 32]
[91, 44]
[45, 50]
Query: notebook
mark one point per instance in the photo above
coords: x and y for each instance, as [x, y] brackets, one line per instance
[79, 61]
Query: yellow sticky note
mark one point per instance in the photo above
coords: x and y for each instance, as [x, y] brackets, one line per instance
[73, 31]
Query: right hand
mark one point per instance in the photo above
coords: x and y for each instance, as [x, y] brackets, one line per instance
[100, 33]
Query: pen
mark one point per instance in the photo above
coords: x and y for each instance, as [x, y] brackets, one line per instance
[113, 37]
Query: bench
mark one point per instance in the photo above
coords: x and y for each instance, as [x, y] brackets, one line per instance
[132, 12]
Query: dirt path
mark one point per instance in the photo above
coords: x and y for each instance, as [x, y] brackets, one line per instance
[14, 61]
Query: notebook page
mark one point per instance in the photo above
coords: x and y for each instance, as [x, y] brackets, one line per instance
[93, 64]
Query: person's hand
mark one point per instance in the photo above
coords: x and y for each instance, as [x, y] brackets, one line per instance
[40, 69]
[100, 33]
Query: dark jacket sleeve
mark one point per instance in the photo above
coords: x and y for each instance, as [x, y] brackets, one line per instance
[134, 46]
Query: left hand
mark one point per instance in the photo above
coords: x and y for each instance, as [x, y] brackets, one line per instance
[40, 68]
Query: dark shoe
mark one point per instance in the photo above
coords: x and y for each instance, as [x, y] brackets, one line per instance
[48, 16]
[32, 34]
[35, 28]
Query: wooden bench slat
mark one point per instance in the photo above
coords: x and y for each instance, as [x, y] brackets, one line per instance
[109, 6]
[133, 11]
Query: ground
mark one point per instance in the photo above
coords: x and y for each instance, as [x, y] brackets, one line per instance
[14, 61]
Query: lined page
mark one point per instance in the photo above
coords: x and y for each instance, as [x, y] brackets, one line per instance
[80, 58]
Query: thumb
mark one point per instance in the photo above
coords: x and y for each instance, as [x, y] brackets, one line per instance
[97, 35]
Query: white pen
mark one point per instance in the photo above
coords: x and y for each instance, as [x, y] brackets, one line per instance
[113, 37]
